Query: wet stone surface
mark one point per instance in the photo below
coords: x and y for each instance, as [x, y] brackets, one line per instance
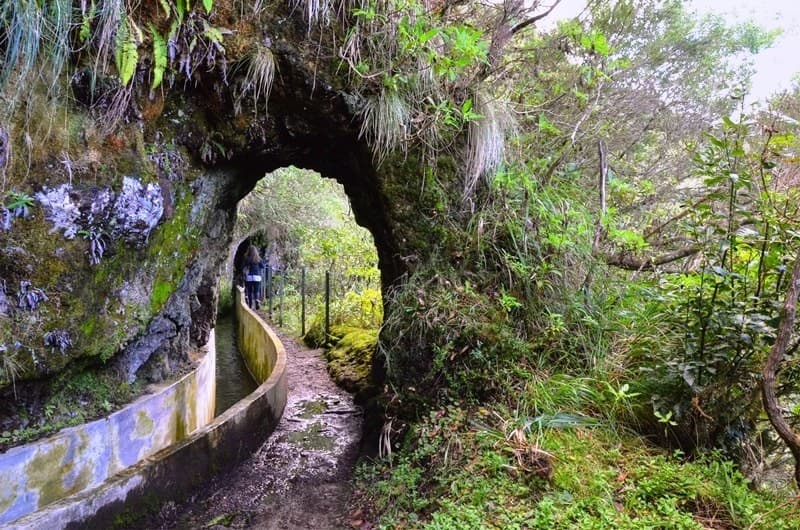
[300, 477]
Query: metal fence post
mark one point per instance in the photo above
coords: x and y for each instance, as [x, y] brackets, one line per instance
[303, 301]
[260, 295]
[280, 299]
[269, 291]
[327, 304]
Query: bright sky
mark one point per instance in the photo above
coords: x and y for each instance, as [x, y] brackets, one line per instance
[776, 66]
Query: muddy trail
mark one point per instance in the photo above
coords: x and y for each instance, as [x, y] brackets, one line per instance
[300, 477]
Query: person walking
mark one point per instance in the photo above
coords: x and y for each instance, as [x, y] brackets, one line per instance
[252, 277]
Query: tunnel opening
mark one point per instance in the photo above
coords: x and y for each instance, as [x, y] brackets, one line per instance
[319, 275]
[299, 220]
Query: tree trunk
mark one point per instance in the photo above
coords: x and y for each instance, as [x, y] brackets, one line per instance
[771, 405]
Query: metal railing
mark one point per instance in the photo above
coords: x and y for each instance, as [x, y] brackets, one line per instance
[273, 295]
[304, 299]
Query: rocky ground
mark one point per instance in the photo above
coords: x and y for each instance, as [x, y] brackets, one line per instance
[300, 477]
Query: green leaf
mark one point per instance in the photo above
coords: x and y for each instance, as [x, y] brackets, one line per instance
[159, 57]
[208, 4]
[126, 54]
[212, 33]
[86, 23]
[165, 7]
[180, 7]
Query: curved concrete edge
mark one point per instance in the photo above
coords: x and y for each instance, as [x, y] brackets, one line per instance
[261, 348]
[83, 457]
[173, 473]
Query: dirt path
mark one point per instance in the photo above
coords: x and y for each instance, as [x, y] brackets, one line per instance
[300, 477]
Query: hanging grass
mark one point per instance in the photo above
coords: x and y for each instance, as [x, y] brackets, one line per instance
[35, 33]
[258, 79]
[486, 140]
[385, 122]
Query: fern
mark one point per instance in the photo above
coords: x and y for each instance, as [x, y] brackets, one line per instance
[87, 15]
[159, 57]
[127, 49]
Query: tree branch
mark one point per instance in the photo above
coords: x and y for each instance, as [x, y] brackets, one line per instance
[527, 22]
[776, 355]
[504, 31]
[683, 213]
[601, 151]
[633, 263]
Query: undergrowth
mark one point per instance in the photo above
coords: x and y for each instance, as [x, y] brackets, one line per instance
[465, 467]
[72, 400]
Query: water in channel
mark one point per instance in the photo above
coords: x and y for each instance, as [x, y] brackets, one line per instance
[233, 380]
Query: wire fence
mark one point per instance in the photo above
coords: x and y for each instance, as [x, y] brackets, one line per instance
[297, 298]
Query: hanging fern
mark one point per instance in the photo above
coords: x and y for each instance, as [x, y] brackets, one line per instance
[159, 57]
[127, 49]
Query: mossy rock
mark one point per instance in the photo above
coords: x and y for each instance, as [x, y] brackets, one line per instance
[350, 359]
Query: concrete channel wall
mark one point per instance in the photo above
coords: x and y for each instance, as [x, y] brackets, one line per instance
[174, 472]
[82, 457]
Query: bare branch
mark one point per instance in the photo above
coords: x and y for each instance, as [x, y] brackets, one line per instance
[504, 30]
[634, 263]
[601, 150]
[689, 209]
[776, 355]
[532, 20]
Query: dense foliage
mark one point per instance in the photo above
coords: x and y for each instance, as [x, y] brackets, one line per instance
[636, 238]
[610, 234]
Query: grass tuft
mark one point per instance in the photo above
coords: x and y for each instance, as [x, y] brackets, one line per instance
[259, 78]
[486, 140]
[315, 11]
[385, 122]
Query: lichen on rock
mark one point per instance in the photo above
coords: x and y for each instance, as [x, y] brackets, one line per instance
[130, 215]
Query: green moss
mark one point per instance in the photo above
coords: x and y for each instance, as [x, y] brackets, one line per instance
[309, 409]
[88, 326]
[313, 438]
[144, 424]
[161, 291]
[350, 359]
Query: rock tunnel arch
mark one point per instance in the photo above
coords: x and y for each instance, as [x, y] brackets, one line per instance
[156, 299]
[310, 124]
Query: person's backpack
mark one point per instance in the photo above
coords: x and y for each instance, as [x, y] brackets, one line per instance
[252, 272]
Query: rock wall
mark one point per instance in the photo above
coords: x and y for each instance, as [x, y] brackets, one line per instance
[128, 211]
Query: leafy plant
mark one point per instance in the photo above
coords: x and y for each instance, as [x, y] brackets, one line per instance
[159, 57]
[126, 55]
[19, 204]
[721, 316]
